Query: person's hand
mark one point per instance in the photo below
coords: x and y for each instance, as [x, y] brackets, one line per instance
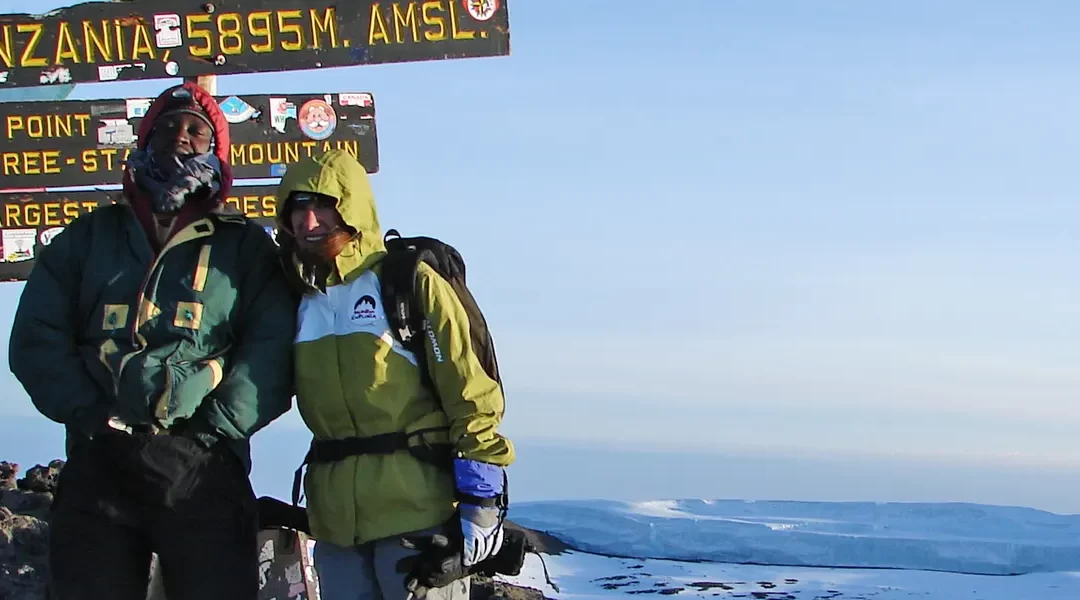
[482, 533]
[437, 563]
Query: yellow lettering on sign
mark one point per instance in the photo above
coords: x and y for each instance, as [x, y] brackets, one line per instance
[259, 26]
[52, 213]
[272, 29]
[141, 43]
[207, 46]
[65, 46]
[92, 41]
[49, 214]
[95, 42]
[71, 212]
[28, 59]
[455, 32]
[271, 153]
[439, 22]
[327, 25]
[41, 45]
[47, 126]
[377, 23]
[406, 20]
[407, 25]
[230, 33]
[32, 214]
[293, 29]
[90, 161]
[118, 29]
[254, 206]
[7, 50]
[52, 162]
[30, 162]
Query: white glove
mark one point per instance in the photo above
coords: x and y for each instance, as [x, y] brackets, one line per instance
[482, 530]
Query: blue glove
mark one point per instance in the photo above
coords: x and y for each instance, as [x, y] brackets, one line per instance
[481, 526]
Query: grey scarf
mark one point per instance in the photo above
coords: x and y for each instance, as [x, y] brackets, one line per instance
[170, 186]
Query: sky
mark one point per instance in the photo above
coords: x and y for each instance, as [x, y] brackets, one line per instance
[805, 229]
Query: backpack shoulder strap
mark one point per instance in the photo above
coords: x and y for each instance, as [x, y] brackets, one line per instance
[397, 277]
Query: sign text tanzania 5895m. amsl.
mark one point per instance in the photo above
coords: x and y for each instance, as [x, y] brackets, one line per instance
[153, 39]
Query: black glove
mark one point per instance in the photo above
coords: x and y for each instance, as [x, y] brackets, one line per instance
[437, 562]
[439, 559]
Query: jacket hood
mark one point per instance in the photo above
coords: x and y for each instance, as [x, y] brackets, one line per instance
[222, 148]
[339, 175]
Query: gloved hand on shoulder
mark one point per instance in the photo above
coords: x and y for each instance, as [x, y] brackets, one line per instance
[480, 493]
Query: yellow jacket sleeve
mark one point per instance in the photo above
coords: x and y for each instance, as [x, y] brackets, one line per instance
[472, 399]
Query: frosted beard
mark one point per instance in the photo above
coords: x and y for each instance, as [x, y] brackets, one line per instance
[314, 262]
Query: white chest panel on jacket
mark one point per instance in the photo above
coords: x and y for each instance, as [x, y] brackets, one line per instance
[353, 308]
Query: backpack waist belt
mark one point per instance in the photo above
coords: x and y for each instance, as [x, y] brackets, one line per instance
[440, 455]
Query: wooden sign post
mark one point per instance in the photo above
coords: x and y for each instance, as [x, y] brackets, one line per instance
[206, 82]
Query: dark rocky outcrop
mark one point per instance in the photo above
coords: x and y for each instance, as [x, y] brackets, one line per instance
[24, 537]
[24, 534]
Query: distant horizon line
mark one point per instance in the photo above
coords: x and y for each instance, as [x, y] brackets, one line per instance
[775, 451]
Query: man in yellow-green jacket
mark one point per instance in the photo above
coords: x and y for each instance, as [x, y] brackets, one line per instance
[370, 405]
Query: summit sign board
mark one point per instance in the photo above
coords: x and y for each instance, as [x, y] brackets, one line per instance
[152, 39]
[85, 142]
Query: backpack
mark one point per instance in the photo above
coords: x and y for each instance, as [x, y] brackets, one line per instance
[403, 309]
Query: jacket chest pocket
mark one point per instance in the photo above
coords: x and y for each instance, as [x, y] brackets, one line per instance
[204, 298]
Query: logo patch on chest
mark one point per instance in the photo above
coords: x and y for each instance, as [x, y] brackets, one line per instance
[364, 310]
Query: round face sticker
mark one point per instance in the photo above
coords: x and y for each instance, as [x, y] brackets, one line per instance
[317, 119]
[481, 10]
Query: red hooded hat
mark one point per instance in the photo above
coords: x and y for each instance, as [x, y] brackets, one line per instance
[198, 101]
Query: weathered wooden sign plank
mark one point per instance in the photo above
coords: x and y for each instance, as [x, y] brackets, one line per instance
[29, 221]
[151, 39]
[84, 143]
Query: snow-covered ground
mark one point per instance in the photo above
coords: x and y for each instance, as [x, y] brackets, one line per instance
[805, 550]
[584, 576]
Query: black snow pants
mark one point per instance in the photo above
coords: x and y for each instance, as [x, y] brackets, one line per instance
[121, 497]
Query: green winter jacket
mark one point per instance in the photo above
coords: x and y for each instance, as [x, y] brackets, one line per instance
[354, 378]
[194, 340]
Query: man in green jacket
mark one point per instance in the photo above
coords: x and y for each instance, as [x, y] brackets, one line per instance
[159, 331]
[363, 395]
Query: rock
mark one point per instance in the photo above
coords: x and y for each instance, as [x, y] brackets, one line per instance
[24, 540]
[42, 479]
[8, 471]
[24, 545]
[484, 588]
